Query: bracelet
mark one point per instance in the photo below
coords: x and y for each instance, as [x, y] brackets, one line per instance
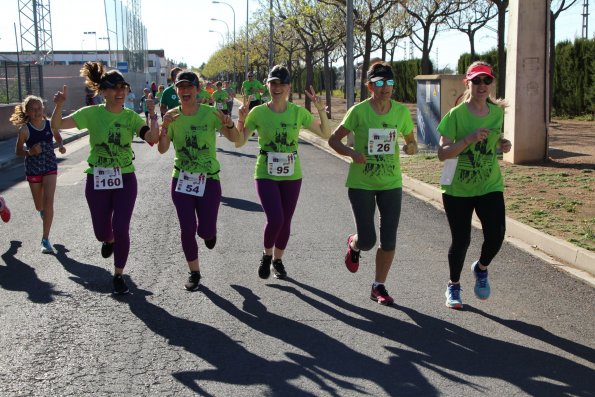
[154, 117]
[229, 127]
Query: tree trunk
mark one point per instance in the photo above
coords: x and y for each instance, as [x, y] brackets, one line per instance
[366, 64]
[426, 64]
[501, 52]
[327, 83]
[309, 76]
[552, 61]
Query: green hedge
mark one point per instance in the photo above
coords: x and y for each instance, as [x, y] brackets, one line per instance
[574, 78]
[405, 89]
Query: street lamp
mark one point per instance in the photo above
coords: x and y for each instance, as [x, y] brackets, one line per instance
[227, 26]
[221, 34]
[94, 34]
[109, 50]
[234, 34]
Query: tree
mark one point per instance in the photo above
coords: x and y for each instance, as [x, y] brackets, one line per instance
[471, 19]
[430, 16]
[557, 7]
[502, 6]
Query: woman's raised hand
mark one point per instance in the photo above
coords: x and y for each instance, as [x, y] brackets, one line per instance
[60, 96]
[314, 98]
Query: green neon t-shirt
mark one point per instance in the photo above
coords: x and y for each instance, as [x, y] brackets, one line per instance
[110, 136]
[169, 98]
[380, 172]
[477, 172]
[220, 98]
[194, 140]
[278, 132]
[252, 88]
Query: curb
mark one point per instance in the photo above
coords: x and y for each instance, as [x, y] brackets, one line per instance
[533, 241]
[9, 162]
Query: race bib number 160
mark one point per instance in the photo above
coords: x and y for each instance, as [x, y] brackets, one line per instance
[107, 178]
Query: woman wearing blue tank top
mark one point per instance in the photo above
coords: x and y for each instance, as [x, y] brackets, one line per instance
[35, 143]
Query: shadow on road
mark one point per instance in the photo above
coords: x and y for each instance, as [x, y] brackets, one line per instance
[241, 204]
[91, 277]
[447, 348]
[20, 277]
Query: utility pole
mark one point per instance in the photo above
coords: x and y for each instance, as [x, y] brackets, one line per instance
[585, 14]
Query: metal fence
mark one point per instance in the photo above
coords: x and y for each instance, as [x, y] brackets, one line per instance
[17, 80]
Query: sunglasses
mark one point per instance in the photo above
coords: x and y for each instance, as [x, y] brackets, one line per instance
[478, 80]
[380, 83]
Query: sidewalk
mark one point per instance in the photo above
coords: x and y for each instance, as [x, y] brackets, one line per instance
[8, 157]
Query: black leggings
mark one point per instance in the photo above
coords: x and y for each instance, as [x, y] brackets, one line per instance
[459, 211]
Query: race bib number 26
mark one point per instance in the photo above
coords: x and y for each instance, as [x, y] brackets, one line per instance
[382, 141]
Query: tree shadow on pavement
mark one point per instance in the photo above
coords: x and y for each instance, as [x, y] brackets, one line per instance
[235, 154]
[446, 348]
[328, 359]
[233, 364]
[91, 277]
[20, 277]
[538, 332]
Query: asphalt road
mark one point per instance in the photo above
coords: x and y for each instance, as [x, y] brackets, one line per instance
[314, 334]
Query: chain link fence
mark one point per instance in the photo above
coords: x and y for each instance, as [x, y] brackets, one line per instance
[17, 80]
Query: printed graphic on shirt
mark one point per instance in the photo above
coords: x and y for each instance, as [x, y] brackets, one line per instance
[475, 162]
[282, 142]
[194, 156]
[113, 152]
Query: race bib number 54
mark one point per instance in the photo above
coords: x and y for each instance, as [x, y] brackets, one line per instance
[193, 184]
[107, 178]
[382, 141]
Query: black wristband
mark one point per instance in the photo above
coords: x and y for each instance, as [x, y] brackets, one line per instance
[229, 127]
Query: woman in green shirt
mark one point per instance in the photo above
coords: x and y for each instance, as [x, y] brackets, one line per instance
[471, 134]
[278, 174]
[374, 177]
[195, 187]
[111, 182]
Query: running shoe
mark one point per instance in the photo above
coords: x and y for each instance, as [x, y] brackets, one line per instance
[5, 212]
[210, 244]
[120, 286]
[279, 271]
[482, 285]
[107, 249]
[46, 247]
[193, 283]
[352, 256]
[264, 269]
[380, 295]
[453, 296]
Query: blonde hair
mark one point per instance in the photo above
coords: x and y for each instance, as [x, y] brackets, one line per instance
[465, 96]
[19, 116]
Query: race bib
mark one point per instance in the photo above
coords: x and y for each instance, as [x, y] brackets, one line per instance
[193, 184]
[382, 141]
[107, 178]
[281, 164]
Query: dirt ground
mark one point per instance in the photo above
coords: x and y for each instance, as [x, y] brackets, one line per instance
[556, 196]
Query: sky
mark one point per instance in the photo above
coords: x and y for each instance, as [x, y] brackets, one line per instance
[182, 29]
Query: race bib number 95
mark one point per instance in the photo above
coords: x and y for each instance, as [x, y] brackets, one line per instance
[280, 164]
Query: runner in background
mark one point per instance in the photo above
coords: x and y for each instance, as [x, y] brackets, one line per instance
[231, 94]
[4, 211]
[278, 173]
[471, 135]
[169, 98]
[251, 90]
[374, 178]
[35, 143]
[195, 187]
[111, 187]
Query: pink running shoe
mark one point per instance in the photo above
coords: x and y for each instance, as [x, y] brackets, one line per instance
[4, 212]
[380, 295]
[352, 256]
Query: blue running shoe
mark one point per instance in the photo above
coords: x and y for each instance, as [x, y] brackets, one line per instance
[46, 247]
[453, 296]
[482, 285]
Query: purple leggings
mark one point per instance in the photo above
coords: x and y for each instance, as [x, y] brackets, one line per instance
[111, 211]
[278, 199]
[197, 215]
